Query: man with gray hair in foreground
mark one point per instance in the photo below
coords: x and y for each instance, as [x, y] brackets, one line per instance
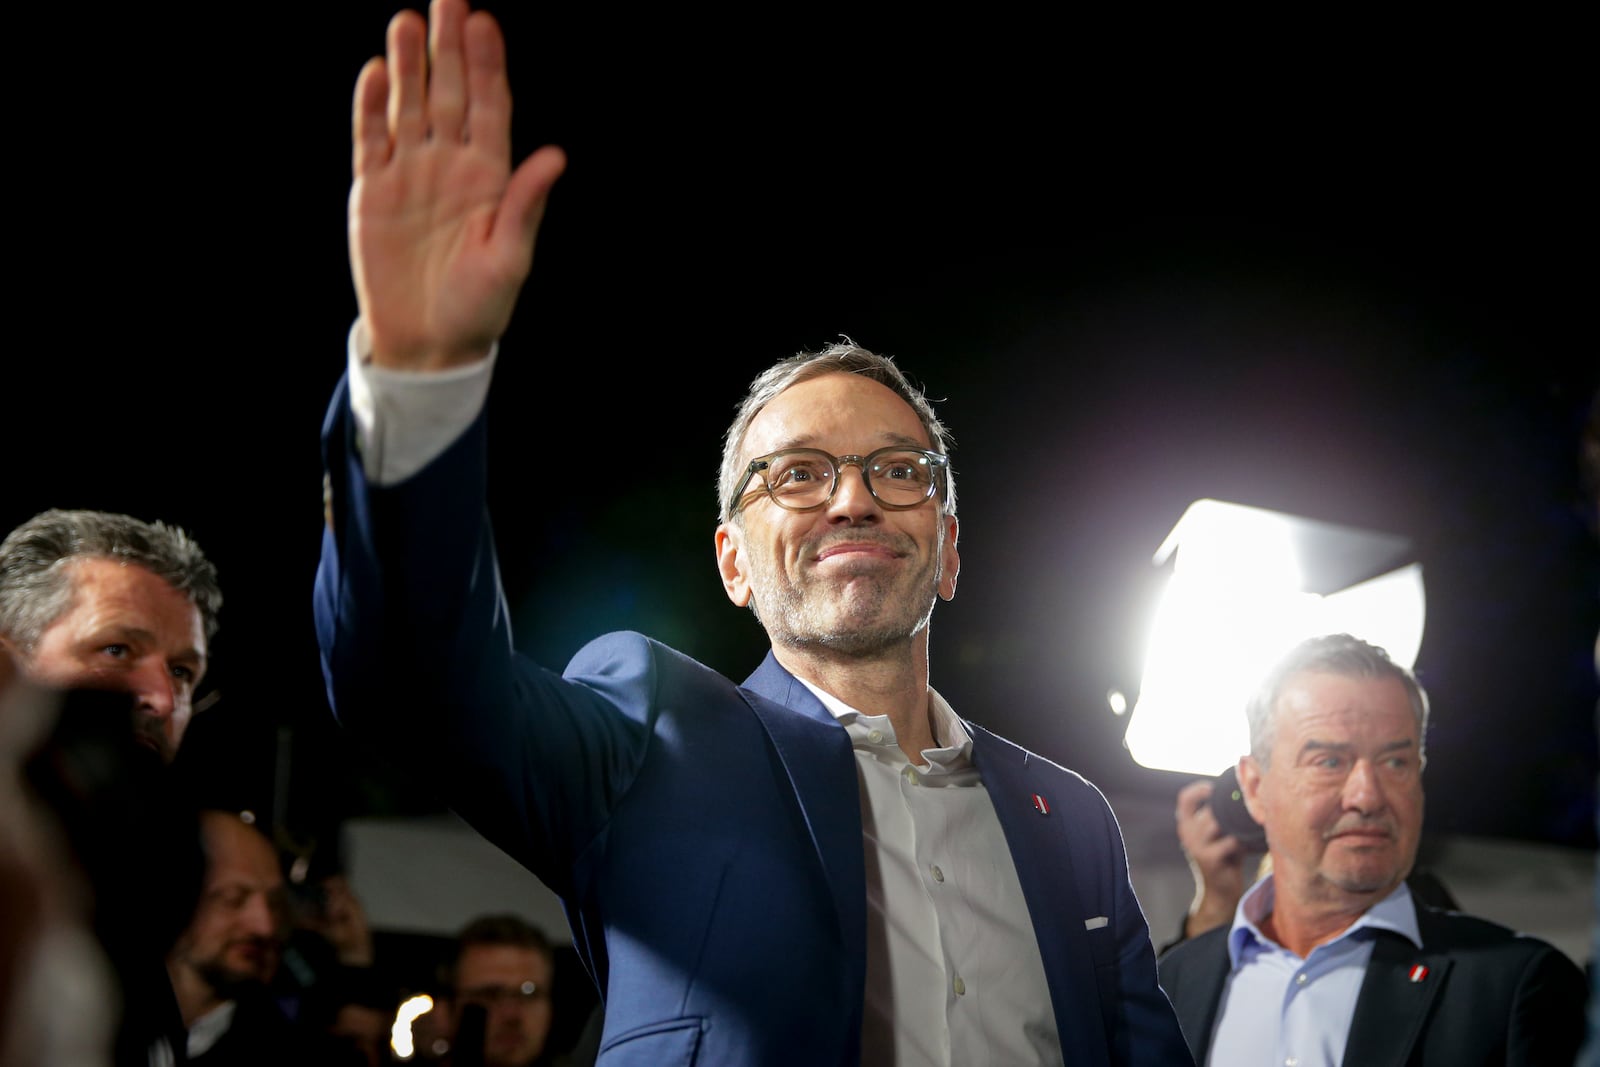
[1329, 959]
[96, 599]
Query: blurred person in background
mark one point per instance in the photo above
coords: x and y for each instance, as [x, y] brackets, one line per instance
[501, 980]
[223, 965]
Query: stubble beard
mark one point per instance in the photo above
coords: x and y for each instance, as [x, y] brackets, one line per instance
[1366, 879]
[859, 616]
[230, 982]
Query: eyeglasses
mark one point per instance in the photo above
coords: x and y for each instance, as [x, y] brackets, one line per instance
[804, 479]
[490, 995]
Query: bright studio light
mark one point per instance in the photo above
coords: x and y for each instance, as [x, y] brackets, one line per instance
[1246, 585]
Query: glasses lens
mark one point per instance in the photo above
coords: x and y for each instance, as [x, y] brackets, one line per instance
[901, 476]
[490, 995]
[800, 478]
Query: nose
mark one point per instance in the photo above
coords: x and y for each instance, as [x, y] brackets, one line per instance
[1362, 790]
[258, 917]
[152, 685]
[851, 497]
[505, 1007]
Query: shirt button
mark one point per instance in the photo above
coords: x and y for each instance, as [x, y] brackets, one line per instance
[911, 775]
[875, 736]
[1292, 1061]
[1299, 979]
[960, 987]
[938, 875]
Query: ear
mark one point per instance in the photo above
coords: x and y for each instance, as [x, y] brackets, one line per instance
[1250, 786]
[949, 558]
[730, 564]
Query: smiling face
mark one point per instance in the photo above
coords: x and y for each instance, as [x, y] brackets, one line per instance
[1340, 795]
[127, 629]
[851, 576]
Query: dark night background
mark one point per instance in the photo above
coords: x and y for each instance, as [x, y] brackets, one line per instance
[1357, 290]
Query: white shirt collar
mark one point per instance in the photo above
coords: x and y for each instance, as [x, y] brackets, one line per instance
[209, 1028]
[955, 744]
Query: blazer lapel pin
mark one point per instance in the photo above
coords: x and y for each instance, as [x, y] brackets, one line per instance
[1041, 805]
[1418, 972]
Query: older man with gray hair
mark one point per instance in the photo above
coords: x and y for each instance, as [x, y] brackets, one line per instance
[1329, 959]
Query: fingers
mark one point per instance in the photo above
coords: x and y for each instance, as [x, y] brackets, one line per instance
[434, 92]
[1200, 835]
[522, 206]
[447, 87]
[1229, 849]
[408, 122]
[369, 121]
[489, 118]
[1193, 797]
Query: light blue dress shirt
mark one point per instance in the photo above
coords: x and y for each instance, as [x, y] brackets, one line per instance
[1279, 1010]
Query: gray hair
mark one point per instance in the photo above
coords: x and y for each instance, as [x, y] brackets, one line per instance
[36, 585]
[843, 357]
[1340, 654]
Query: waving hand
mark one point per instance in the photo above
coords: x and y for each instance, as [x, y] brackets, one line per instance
[442, 229]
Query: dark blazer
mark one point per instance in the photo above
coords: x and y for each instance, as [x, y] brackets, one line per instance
[1490, 996]
[704, 836]
[261, 1035]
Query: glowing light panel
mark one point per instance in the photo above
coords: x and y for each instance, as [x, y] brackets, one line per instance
[1246, 585]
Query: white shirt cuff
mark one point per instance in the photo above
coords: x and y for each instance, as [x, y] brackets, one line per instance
[405, 419]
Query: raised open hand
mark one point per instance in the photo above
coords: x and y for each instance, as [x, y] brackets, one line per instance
[442, 229]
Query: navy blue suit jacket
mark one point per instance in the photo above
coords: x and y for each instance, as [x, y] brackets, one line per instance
[1475, 995]
[704, 836]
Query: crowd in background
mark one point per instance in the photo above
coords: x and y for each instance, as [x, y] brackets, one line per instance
[155, 916]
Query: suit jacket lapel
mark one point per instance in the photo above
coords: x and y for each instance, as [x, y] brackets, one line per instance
[1197, 997]
[1399, 986]
[815, 752]
[1042, 854]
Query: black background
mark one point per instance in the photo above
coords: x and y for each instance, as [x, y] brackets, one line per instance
[1342, 271]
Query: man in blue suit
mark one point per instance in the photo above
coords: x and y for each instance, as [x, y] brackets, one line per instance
[823, 865]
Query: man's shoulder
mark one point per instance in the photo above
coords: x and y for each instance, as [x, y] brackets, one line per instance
[1497, 972]
[634, 669]
[989, 748]
[1187, 952]
[629, 650]
[1443, 930]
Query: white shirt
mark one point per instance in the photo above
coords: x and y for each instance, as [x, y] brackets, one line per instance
[1279, 1009]
[209, 1028]
[954, 974]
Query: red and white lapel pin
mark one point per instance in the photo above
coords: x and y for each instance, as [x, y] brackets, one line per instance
[1040, 804]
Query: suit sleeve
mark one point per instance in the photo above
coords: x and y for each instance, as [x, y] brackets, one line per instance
[416, 647]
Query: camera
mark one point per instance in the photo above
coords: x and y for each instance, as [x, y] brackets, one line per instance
[1227, 803]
